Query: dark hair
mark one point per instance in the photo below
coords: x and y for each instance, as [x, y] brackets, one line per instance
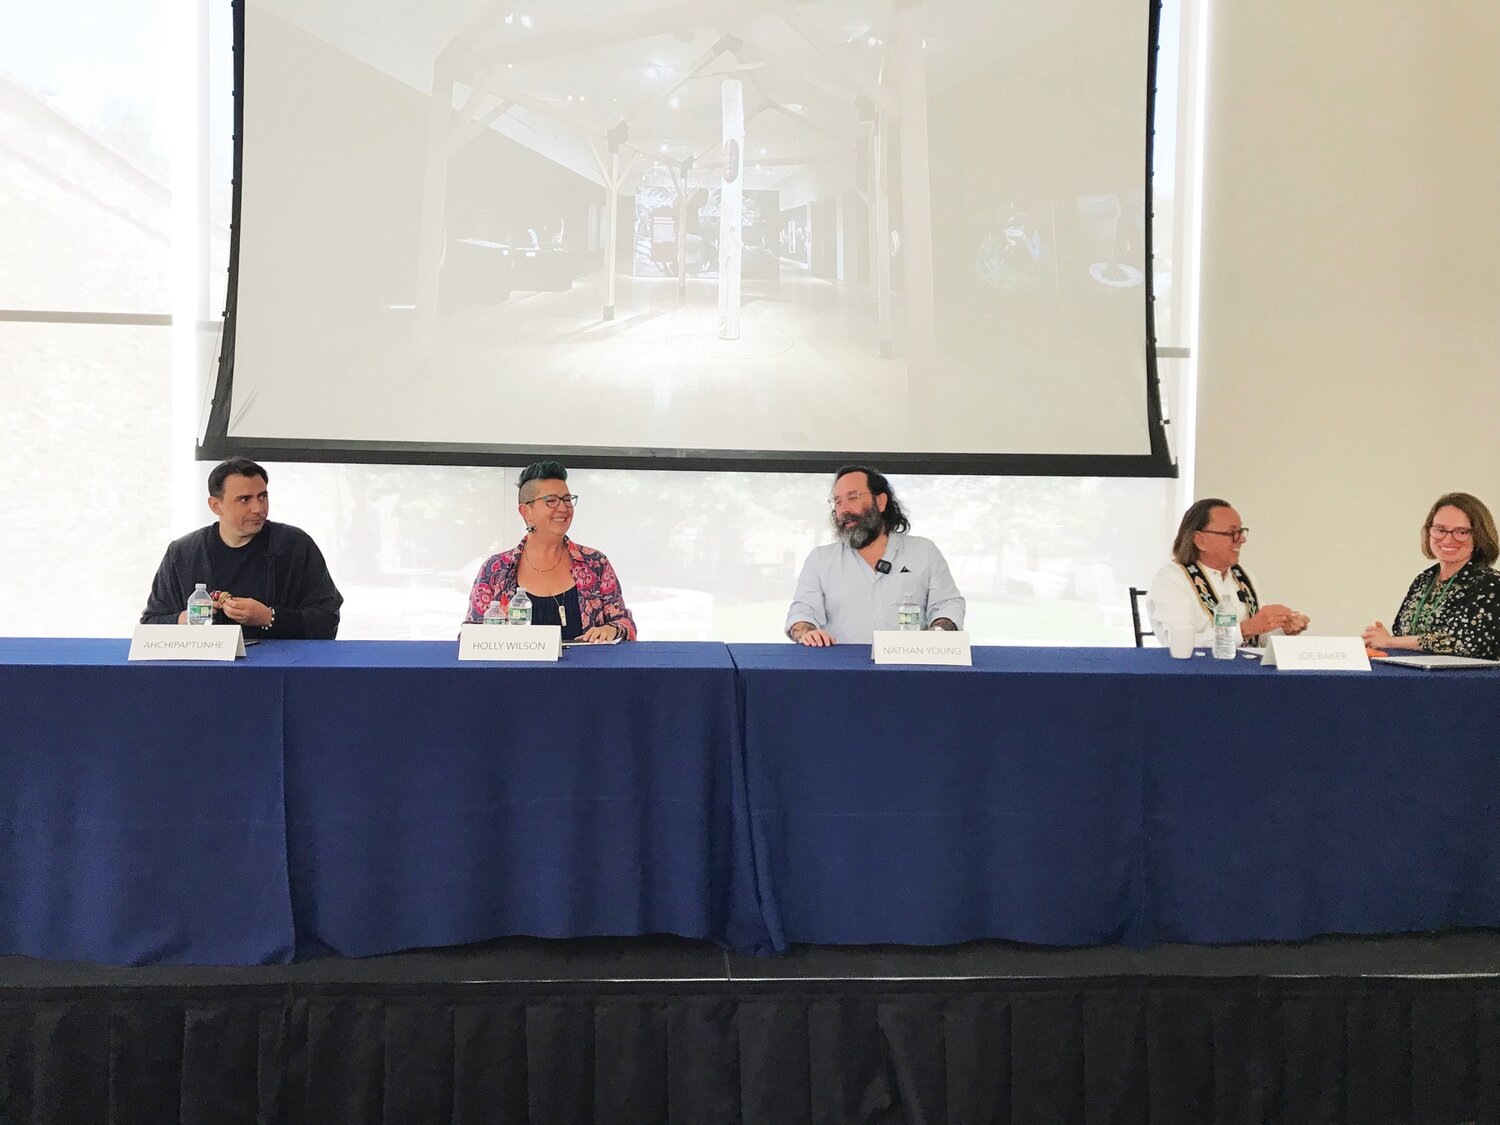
[1194, 520]
[540, 470]
[234, 467]
[894, 518]
[1486, 547]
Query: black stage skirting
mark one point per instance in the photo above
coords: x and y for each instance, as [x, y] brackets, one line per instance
[1342, 1030]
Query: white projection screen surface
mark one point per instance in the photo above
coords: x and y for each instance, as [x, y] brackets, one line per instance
[709, 232]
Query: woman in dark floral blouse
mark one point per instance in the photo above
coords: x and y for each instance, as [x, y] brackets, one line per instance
[1454, 606]
[584, 596]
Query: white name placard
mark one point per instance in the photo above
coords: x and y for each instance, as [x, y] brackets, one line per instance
[1317, 654]
[509, 642]
[931, 646]
[186, 642]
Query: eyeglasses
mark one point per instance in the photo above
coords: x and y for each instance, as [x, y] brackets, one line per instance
[846, 498]
[553, 501]
[1239, 535]
[1459, 534]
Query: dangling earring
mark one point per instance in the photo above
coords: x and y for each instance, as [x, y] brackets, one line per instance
[531, 529]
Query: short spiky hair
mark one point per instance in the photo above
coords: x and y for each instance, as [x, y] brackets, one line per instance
[539, 470]
[234, 467]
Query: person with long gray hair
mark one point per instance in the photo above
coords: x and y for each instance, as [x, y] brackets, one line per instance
[1205, 570]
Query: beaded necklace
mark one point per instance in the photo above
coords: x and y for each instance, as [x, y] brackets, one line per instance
[1424, 614]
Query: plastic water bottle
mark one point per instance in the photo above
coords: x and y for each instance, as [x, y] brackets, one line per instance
[200, 607]
[495, 612]
[520, 608]
[909, 614]
[1224, 630]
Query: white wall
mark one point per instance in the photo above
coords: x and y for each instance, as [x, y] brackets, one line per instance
[809, 185]
[1349, 348]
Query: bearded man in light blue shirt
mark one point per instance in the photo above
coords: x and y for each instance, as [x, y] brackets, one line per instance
[854, 585]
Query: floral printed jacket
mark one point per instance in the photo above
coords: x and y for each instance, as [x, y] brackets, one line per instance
[1465, 621]
[599, 597]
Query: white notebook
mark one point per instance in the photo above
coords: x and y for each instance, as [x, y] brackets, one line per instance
[1434, 661]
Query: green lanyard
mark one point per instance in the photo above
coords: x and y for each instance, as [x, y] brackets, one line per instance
[1418, 621]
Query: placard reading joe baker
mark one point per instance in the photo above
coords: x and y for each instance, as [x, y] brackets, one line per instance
[1318, 654]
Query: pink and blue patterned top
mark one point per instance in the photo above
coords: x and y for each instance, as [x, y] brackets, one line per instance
[599, 598]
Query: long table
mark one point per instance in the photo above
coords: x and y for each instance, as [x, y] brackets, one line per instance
[937, 805]
[1077, 796]
[141, 808]
[363, 797]
[431, 802]
[360, 797]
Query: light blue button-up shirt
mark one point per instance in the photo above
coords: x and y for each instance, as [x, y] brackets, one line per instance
[849, 599]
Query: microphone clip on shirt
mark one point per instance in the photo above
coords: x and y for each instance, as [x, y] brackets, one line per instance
[883, 566]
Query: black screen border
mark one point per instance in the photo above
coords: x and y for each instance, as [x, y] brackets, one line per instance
[217, 444]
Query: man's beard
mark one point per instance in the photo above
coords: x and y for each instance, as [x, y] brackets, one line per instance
[861, 531]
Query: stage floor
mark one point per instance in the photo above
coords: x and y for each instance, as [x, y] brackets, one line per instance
[1456, 954]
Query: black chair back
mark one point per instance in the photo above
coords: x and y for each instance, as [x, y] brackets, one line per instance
[1137, 595]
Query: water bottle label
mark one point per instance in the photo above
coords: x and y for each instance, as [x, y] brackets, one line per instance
[908, 619]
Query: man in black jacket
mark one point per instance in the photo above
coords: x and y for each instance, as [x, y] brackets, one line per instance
[268, 577]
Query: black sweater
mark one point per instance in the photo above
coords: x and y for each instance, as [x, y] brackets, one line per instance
[286, 572]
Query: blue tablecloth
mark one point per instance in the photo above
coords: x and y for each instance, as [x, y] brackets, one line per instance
[361, 797]
[1281, 805]
[938, 805]
[141, 814]
[1073, 796]
[433, 803]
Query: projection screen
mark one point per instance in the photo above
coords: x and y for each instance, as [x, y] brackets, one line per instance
[701, 233]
